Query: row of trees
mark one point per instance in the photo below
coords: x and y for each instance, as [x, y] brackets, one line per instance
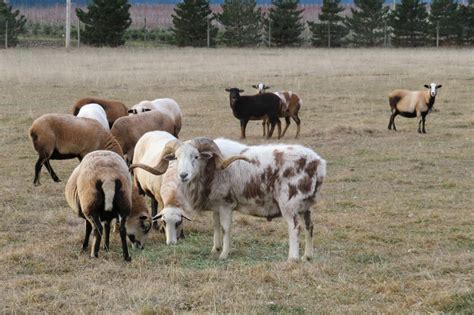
[244, 24]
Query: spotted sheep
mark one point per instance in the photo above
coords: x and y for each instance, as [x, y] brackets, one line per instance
[161, 189]
[255, 107]
[113, 109]
[264, 181]
[291, 106]
[412, 104]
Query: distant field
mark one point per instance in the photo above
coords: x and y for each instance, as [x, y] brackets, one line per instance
[393, 231]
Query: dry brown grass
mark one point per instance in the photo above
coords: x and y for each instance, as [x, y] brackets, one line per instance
[394, 231]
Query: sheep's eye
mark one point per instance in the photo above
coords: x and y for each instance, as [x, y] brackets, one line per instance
[196, 157]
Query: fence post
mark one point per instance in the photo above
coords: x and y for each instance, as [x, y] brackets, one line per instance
[329, 34]
[68, 23]
[437, 34]
[6, 34]
[208, 34]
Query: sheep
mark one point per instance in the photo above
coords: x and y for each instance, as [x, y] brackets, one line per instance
[139, 222]
[94, 111]
[100, 189]
[291, 106]
[114, 109]
[255, 107]
[161, 189]
[127, 130]
[165, 105]
[62, 136]
[412, 104]
[270, 181]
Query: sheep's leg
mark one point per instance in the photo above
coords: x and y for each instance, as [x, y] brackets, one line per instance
[418, 116]
[243, 125]
[217, 233]
[38, 166]
[268, 126]
[85, 244]
[391, 122]
[273, 123]
[123, 238]
[292, 221]
[308, 233]
[107, 236]
[51, 171]
[225, 218]
[423, 117]
[298, 123]
[287, 121]
[154, 212]
[264, 124]
[97, 236]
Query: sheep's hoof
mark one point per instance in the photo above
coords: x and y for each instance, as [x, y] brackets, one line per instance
[306, 258]
[215, 250]
[106, 248]
[93, 256]
[57, 180]
[293, 259]
[36, 183]
[223, 257]
[128, 258]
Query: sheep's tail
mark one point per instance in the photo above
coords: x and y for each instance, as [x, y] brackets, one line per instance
[108, 188]
[320, 173]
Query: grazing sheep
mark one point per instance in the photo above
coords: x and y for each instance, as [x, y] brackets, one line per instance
[127, 130]
[114, 109]
[161, 189]
[255, 107]
[412, 104]
[272, 181]
[139, 222]
[164, 105]
[94, 111]
[291, 106]
[99, 189]
[60, 137]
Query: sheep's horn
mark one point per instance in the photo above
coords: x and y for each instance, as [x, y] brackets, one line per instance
[147, 168]
[225, 163]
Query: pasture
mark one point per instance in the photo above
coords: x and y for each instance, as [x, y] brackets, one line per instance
[393, 228]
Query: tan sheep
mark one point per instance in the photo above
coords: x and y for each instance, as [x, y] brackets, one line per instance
[139, 222]
[114, 109]
[127, 130]
[412, 104]
[100, 189]
[62, 136]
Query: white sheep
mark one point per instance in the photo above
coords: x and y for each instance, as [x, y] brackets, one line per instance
[161, 189]
[165, 105]
[94, 111]
[60, 136]
[412, 104]
[99, 189]
[272, 181]
[114, 109]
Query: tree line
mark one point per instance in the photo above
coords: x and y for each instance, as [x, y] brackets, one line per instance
[241, 23]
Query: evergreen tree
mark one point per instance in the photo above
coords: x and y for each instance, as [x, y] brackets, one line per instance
[242, 22]
[410, 23]
[190, 23]
[444, 18]
[330, 30]
[285, 23]
[466, 20]
[11, 23]
[368, 23]
[105, 22]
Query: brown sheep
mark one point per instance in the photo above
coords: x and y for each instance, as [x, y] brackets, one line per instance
[113, 109]
[100, 189]
[412, 104]
[127, 130]
[62, 136]
[139, 222]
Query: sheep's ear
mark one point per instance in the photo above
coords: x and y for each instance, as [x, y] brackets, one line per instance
[185, 217]
[146, 109]
[157, 217]
[240, 91]
[267, 87]
[427, 86]
[439, 86]
[255, 87]
[227, 90]
[169, 157]
[206, 155]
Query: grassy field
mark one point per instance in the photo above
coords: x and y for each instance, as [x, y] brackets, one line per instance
[393, 231]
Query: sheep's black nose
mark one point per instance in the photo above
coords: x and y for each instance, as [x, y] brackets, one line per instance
[183, 175]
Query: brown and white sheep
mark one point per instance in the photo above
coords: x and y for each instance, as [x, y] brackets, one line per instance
[114, 109]
[139, 222]
[62, 136]
[412, 104]
[100, 189]
[127, 130]
[94, 111]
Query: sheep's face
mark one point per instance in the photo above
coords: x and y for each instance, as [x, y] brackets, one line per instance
[261, 87]
[138, 228]
[138, 110]
[433, 87]
[234, 94]
[171, 220]
[190, 162]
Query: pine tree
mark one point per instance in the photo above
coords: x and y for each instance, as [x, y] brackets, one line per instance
[368, 23]
[105, 22]
[242, 22]
[329, 31]
[466, 20]
[444, 18]
[11, 23]
[285, 25]
[410, 23]
[190, 23]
